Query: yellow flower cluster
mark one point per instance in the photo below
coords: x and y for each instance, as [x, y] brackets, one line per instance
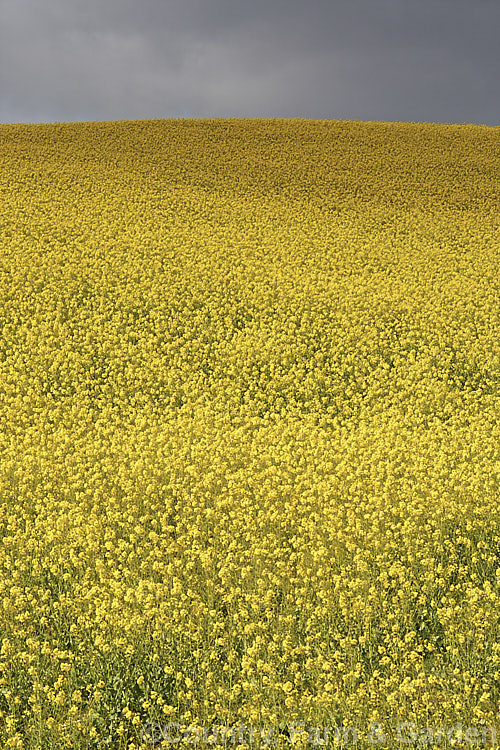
[249, 435]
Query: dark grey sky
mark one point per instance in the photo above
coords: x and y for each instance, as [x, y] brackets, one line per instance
[392, 60]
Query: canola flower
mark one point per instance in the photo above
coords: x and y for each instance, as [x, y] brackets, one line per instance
[249, 438]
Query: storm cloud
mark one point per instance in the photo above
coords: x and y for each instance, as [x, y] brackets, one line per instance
[392, 60]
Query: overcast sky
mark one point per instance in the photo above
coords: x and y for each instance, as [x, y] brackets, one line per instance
[392, 60]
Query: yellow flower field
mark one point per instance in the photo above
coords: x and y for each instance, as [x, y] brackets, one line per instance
[249, 430]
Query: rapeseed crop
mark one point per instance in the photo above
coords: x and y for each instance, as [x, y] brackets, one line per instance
[249, 436]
